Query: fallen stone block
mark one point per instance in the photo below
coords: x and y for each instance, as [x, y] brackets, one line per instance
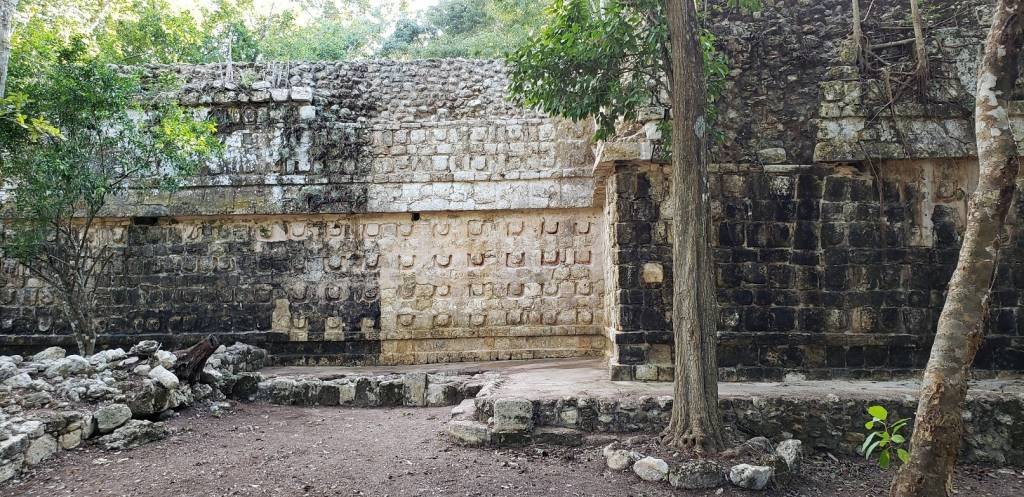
[700, 474]
[166, 378]
[49, 354]
[41, 449]
[111, 417]
[750, 477]
[651, 469]
[619, 459]
[791, 452]
[133, 434]
[466, 410]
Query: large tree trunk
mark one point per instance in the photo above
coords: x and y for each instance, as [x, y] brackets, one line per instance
[696, 422]
[7, 8]
[937, 427]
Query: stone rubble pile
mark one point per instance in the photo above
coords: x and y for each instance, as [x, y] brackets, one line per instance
[775, 466]
[53, 401]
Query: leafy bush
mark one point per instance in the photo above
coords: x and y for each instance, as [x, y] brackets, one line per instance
[884, 438]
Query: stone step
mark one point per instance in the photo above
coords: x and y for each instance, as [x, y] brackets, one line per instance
[469, 433]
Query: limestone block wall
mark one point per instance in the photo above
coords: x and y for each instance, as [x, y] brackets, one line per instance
[370, 212]
[367, 289]
[822, 271]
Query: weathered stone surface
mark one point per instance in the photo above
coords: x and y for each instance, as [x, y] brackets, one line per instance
[166, 378]
[512, 415]
[651, 469]
[750, 477]
[466, 410]
[791, 452]
[246, 385]
[110, 417]
[49, 354]
[145, 348]
[67, 366]
[567, 437]
[620, 459]
[415, 385]
[822, 270]
[700, 474]
[41, 449]
[468, 432]
[133, 434]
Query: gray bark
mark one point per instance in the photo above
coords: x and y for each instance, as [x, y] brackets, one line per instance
[7, 8]
[920, 49]
[938, 426]
[696, 423]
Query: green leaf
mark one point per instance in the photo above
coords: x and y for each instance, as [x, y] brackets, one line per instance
[870, 424]
[867, 441]
[871, 448]
[903, 455]
[878, 412]
[884, 459]
[898, 439]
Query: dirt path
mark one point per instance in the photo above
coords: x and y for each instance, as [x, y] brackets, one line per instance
[261, 450]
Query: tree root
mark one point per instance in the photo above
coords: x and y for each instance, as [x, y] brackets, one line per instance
[689, 440]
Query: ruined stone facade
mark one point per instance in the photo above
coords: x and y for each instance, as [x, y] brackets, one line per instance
[387, 212]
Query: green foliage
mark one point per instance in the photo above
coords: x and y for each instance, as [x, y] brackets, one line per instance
[884, 439]
[104, 132]
[465, 28]
[16, 126]
[608, 64]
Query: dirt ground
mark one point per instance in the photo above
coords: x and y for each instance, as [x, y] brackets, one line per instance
[262, 450]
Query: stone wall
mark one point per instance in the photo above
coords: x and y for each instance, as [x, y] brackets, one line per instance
[822, 271]
[356, 289]
[407, 212]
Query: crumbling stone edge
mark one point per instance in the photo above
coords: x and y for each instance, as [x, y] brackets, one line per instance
[993, 431]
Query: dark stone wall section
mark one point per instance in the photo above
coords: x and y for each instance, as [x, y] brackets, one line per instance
[177, 284]
[823, 271]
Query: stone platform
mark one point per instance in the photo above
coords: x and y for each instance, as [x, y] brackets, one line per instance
[564, 400]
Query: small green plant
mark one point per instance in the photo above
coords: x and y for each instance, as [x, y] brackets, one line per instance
[885, 438]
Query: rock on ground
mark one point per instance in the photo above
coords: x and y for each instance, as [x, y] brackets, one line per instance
[49, 354]
[619, 459]
[750, 477]
[164, 377]
[697, 475]
[133, 434]
[791, 452]
[145, 348]
[110, 417]
[651, 469]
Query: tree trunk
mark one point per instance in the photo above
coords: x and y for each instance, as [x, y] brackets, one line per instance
[920, 50]
[696, 422]
[7, 8]
[191, 361]
[938, 426]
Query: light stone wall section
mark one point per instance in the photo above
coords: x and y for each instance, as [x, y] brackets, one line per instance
[492, 286]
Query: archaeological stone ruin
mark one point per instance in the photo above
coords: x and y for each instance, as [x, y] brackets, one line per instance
[407, 212]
